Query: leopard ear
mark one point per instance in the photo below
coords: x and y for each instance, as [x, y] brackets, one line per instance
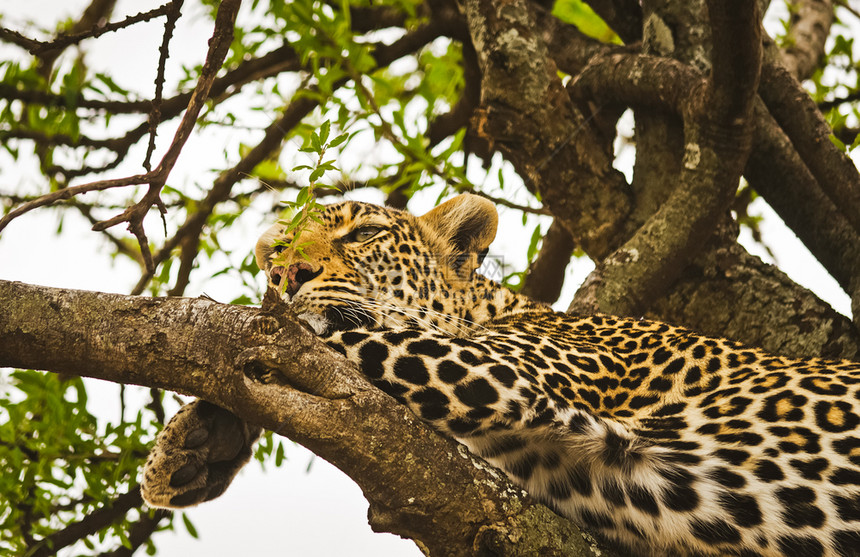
[467, 224]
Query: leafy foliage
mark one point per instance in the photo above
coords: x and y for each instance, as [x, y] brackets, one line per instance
[58, 462]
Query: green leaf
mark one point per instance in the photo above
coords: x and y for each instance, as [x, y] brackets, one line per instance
[533, 244]
[316, 174]
[279, 454]
[838, 142]
[580, 14]
[188, 526]
[324, 130]
[338, 140]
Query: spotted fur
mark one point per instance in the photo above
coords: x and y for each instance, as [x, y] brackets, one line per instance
[660, 439]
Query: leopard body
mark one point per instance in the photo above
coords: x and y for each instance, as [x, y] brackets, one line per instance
[660, 439]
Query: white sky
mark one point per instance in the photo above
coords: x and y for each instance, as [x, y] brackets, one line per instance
[285, 511]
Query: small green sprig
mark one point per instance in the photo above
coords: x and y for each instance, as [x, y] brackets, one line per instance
[306, 208]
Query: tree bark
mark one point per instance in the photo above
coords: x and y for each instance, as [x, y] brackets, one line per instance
[419, 484]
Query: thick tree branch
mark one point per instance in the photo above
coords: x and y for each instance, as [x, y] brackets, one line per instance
[804, 124]
[774, 168]
[717, 136]
[726, 292]
[778, 174]
[420, 485]
[365, 19]
[527, 115]
[566, 45]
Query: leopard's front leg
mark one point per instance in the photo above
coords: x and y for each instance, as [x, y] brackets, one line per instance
[196, 456]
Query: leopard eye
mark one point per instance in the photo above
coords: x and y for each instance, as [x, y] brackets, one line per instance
[281, 244]
[363, 233]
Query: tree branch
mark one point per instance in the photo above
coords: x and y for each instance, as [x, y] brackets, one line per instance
[726, 292]
[546, 274]
[774, 168]
[155, 112]
[777, 173]
[139, 532]
[214, 351]
[67, 193]
[89, 524]
[717, 136]
[804, 124]
[810, 26]
[218, 47]
[527, 115]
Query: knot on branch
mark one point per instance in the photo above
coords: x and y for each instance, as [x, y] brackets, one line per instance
[260, 328]
[310, 372]
[523, 536]
[496, 539]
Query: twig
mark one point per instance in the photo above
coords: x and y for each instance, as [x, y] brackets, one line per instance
[219, 44]
[155, 114]
[509, 204]
[66, 193]
[844, 4]
[16, 38]
[89, 524]
[37, 48]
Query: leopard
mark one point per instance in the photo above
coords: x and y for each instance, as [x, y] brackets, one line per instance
[658, 439]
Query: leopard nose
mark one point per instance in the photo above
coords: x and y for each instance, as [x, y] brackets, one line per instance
[276, 274]
[298, 274]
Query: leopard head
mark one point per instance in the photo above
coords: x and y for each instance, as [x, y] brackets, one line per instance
[361, 265]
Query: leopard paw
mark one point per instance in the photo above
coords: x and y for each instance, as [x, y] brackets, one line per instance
[196, 456]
